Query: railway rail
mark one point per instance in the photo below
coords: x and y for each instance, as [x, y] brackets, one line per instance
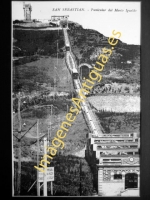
[90, 117]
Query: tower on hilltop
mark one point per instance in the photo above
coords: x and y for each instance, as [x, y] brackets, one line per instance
[27, 11]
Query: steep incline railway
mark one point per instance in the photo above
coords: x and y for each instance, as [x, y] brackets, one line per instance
[118, 154]
[89, 116]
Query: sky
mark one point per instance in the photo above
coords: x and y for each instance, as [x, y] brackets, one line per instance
[127, 20]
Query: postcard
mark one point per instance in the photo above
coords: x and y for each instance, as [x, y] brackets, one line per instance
[76, 98]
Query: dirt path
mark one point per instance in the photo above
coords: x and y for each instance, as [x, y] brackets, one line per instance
[80, 153]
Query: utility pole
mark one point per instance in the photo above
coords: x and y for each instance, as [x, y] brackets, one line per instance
[13, 171]
[48, 133]
[54, 81]
[38, 183]
[51, 187]
[18, 183]
[80, 179]
[54, 70]
[45, 174]
[19, 148]
[57, 65]
[50, 127]
[57, 53]
[67, 22]
[51, 122]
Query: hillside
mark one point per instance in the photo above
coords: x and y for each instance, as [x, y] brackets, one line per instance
[31, 42]
[37, 71]
[87, 45]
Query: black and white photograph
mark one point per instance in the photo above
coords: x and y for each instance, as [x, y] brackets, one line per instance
[75, 98]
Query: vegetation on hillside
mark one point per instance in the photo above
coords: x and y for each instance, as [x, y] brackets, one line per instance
[85, 42]
[113, 122]
[87, 45]
[67, 173]
[37, 42]
[42, 75]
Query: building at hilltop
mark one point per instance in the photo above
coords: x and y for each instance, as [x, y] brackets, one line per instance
[27, 11]
[61, 21]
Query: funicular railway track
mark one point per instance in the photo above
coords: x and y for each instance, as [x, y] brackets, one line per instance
[89, 116]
